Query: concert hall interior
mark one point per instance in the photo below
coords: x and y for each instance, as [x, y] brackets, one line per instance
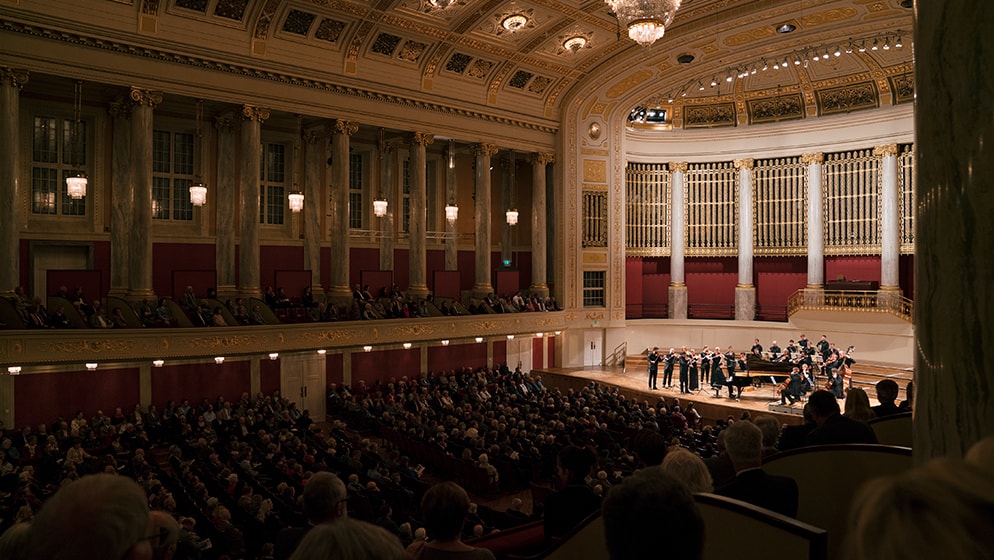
[205, 199]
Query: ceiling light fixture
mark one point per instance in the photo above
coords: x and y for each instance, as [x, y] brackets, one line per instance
[451, 212]
[380, 207]
[514, 22]
[158, 363]
[646, 20]
[786, 28]
[76, 181]
[296, 199]
[441, 4]
[198, 190]
[574, 43]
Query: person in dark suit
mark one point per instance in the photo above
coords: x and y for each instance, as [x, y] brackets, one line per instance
[654, 359]
[668, 368]
[324, 501]
[757, 348]
[833, 427]
[744, 444]
[886, 394]
[793, 390]
[838, 385]
[684, 372]
[792, 436]
[565, 509]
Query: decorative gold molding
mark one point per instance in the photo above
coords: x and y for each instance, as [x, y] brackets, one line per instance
[543, 158]
[485, 149]
[421, 138]
[885, 150]
[345, 127]
[253, 113]
[745, 163]
[148, 97]
[808, 159]
[678, 167]
[11, 76]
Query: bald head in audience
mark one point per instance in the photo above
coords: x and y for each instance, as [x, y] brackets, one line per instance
[324, 498]
[97, 517]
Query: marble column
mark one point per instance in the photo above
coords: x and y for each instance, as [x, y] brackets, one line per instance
[889, 295]
[339, 210]
[11, 82]
[816, 221]
[539, 286]
[417, 285]
[388, 163]
[482, 215]
[954, 199]
[451, 228]
[140, 239]
[249, 274]
[121, 200]
[507, 186]
[225, 200]
[678, 283]
[745, 291]
[315, 156]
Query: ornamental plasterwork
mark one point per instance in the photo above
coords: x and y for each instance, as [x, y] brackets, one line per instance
[703, 116]
[749, 36]
[594, 171]
[630, 82]
[903, 87]
[828, 16]
[847, 98]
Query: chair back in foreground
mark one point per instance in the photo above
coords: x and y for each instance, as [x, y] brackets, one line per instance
[736, 529]
[586, 542]
[893, 430]
[517, 542]
[829, 477]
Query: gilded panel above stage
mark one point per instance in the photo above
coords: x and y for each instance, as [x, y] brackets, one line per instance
[903, 87]
[848, 98]
[594, 171]
[707, 116]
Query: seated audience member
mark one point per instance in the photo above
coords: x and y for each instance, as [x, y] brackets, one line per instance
[217, 318]
[886, 393]
[568, 507]
[720, 466]
[166, 528]
[858, 406]
[189, 301]
[97, 517]
[163, 316]
[688, 468]
[652, 515]
[792, 436]
[943, 509]
[444, 509]
[908, 403]
[323, 501]
[650, 447]
[832, 426]
[744, 443]
[349, 539]
[13, 542]
[771, 431]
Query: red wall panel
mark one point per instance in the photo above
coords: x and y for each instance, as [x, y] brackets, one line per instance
[89, 280]
[446, 284]
[711, 287]
[168, 258]
[269, 375]
[199, 279]
[538, 352]
[773, 288]
[552, 351]
[713, 265]
[385, 364]
[379, 281]
[334, 371]
[41, 398]
[196, 382]
[362, 259]
[455, 356]
[401, 268]
[852, 268]
[101, 262]
[279, 257]
[467, 269]
[500, 352]
[507, 282]
[293, 282]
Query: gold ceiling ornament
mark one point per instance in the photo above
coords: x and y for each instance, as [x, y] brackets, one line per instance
[646, 20]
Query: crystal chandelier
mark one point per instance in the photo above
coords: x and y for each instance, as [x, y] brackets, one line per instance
[380, 207]
[296, 199]
[451, 213]
[76, 181]
[646, 20]
[198, 190]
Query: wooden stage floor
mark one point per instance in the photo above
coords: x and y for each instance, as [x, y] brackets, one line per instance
[634, 381]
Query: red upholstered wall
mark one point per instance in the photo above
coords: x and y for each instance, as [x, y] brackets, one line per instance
[40, 398]
[633, 287]
[293, 282]
[379, 281]
[269, 375]
[362, 259]
[200, 381]
[101, 262]
[334, 372]
[552, 350]
[445, 283]
[199, 279]
[401, 268]
[454, 356]
[467, 269]
[279, 257]
[538, 352]
[711, 280]
[852, 268]
[500, 352]
[385, 364]
[168, 258]
[776, 278]
[89, 280]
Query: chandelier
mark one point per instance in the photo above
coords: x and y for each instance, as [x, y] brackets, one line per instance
[76, 181]
[646, 20]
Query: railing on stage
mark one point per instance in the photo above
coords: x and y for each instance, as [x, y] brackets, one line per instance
[851, 300]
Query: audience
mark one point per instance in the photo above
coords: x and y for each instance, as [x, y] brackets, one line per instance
[858, 406]
[689, 469]
[568, 507]
[887, 395]
[444, 508]
[324, 501]
[744, 443]
[832, 426]
[652, 515]
[349, 539]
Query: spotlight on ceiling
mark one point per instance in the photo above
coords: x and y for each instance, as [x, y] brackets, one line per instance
[786, 28]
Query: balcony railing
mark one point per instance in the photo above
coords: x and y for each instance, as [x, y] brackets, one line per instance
[869, 302]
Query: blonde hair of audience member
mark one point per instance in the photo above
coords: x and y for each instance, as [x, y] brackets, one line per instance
[943, 509]
[744, 445]
[349, 539]
[770, 427]
[858, 405]
[14, 542]
[99, 516]
[688, 468]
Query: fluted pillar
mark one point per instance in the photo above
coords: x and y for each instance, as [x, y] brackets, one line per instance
[506, 196]
[482, 214]
[140, 239]
[539, 286]
[11, 82]
[388, 163]
[890, 223]
[816, 221]
[226, 197]
[678, 283]
[745, 291]
[315, 156]
[249, 275]
[451, 228]
[954, 200]
[121, 200]
[417, 283]
[339, 209]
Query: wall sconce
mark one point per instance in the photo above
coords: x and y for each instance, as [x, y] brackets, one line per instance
[558, 333]
[540, 335]
[380, 207]
[273, 356]
[91, 366]
[445, 343]
[451, 213]
[367, 348]
[158, 363]
[219, 360]
[296, 201]
[407, 346]
[322, 351]
[14, 370]
[510, 337]
[479, 339]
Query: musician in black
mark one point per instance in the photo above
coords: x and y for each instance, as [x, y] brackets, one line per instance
[706, 365]
[730, 371]
[774, 352]
[792, 391]
[654, 359]
[668, 368]
[803, 342]
[716, 367]
[684, 372]
[823, 347]
[757, 348]
[837, 385]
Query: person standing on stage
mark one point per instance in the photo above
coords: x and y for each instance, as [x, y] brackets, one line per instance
[757, 348]
[823, 348]
[684, 372]
[730, 370]
[803, 342]
[694, 360]
[668, 368]
[654, 359]
[837, 386]
[706, 365]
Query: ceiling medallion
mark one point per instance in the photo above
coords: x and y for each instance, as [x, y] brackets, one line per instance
[646, 20]
[514, 22]
[441, 4]
[574, 43]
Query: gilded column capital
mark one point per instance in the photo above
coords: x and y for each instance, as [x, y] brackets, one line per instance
[745, 163]
[543, 158]
[485, 149]
[120, 109]
[345, 127]
[148, 97]
[885, 150]
[315, 135]
[14, 77]
[678, 166]
[421, 138]
[222, 124]
[253, 113]
[817, 157]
